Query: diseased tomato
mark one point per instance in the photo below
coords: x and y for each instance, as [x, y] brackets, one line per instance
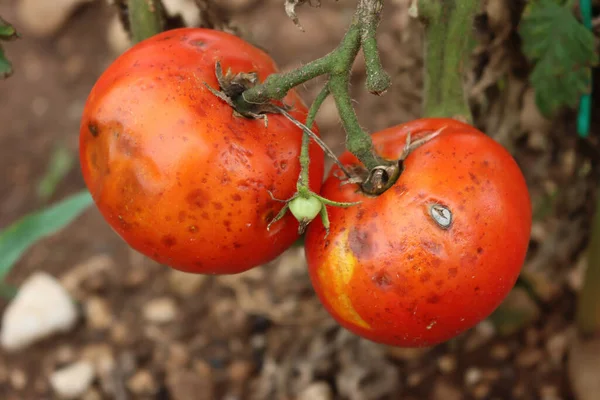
[175, 173]
[437, 252]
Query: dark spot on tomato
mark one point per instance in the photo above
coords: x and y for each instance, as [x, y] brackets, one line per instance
[217, 205]
[360, 213]
[479, 250]
[474, 178]
[197, 198]
[375, 214]
[400, 189]
[425, 277]
[197, 42]
[439, 283]
[168, 218]
[410, 257]
[227, 225]
[271, 152]
[477, 288]
[382, 279]
[204, 215]
[93, 128]
[236, 197]
[169, 241]
[193, 228]
[236, 245]
[225, 179]
[452, 272]
[283, 165]
[361, 243]
[433, 299]
[182, 216]
[468, 260]
[431, 246]
[270, 214]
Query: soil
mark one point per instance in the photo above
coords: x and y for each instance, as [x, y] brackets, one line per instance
[263, 334]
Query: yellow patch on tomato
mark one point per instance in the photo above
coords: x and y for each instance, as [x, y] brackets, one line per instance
[336, 275]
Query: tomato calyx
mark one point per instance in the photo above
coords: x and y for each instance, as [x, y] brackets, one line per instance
[305, 205]
[376, 181]
[231, 87]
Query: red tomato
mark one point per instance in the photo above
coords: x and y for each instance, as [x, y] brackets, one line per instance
[174, 172]
[389, 272]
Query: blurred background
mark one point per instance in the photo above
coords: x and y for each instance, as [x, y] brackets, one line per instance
[139, 330]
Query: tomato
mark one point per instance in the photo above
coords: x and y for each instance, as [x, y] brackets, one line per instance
[434, 254]
[174, 172]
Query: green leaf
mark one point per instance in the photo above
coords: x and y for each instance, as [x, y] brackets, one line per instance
[60, 164]
[563, 51]
[7, 32]
[17, 238]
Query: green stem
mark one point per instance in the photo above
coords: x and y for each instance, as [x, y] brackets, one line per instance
[338, 66]
[304, 151]
[378, 81]
[145, 18]
[448, 26]
[588, 309]
[276, 86]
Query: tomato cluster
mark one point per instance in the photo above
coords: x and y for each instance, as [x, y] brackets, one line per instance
[188, 182]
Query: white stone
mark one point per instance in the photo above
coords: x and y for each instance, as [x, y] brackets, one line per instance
[72, 381]
[43, 17]
[160, 311]
[41, 308]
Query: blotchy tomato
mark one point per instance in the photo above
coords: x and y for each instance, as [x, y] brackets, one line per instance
[175, 173]
[437, 252]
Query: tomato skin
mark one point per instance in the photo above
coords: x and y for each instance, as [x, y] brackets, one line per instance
[174, 172]
[388, 272]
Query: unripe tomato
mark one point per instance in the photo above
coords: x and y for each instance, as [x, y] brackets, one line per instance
[437, 252]
[171, 168]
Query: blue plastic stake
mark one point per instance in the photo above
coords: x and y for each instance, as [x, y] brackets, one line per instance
[585, 105]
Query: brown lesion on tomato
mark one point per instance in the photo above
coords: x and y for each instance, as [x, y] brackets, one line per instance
[382, 279]
[361, 243]
[93, 129]
[433, 298]
[197, 198]
[168, 241]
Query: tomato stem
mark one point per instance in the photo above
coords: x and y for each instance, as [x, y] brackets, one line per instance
[448, 33]
[338, 66]
[588, 308]
[145, 18]
[304, 151]
[378, 81]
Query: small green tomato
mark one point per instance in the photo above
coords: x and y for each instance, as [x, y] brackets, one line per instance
[305, 209]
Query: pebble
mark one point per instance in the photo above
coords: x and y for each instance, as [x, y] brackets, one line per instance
[443, 390]
[18, 379]
[43, 17]
[142, 383]
[98, 313]
[556, 346]
[185, 284]
[41, 308]
[73, 381]
[481, 391]
[447, 363]
[316, 391]
[529, 357]
[473, 376]
[160, 311]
